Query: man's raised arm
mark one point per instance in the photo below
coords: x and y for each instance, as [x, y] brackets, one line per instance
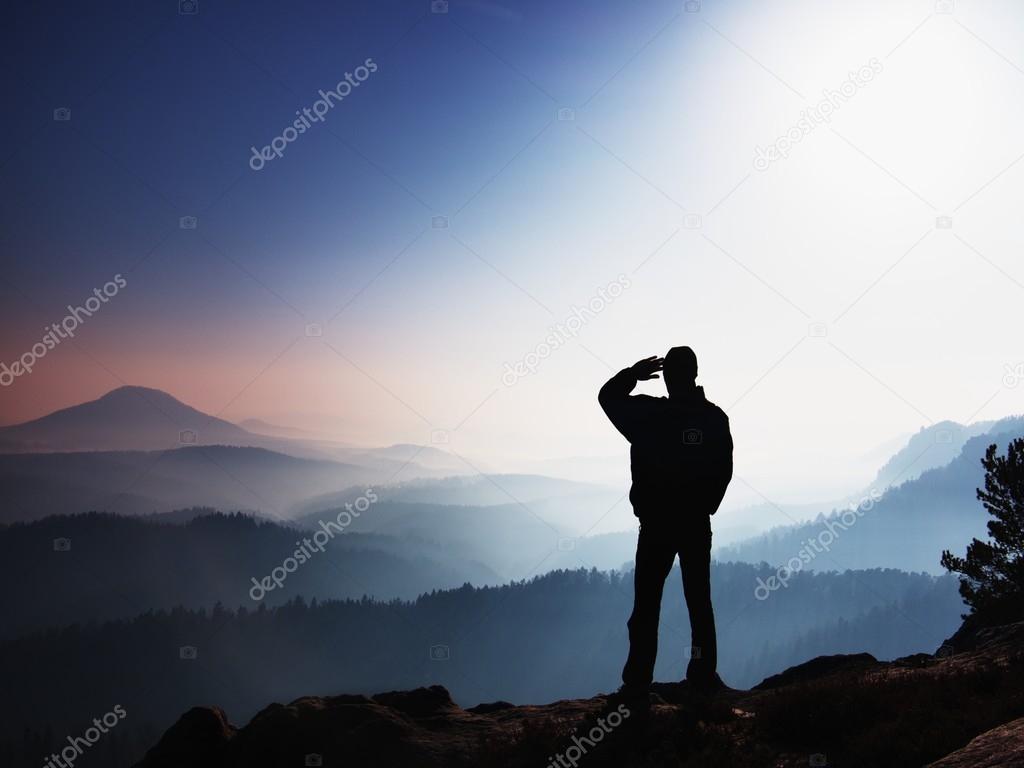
[614, 396]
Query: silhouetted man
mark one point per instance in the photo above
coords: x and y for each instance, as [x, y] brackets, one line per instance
[681, 459]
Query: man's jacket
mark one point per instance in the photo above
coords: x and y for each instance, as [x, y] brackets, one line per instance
[681, 449]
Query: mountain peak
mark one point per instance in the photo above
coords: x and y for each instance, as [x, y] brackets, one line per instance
[131, 394]
[130, 417]
[134, 390]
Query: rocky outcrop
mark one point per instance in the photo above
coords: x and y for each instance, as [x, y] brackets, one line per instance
[1001, 747]
[954, 709]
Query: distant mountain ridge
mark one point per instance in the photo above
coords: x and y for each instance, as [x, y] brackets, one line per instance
[261, 427]
[935, 446]
[127, 418]
[35, 485]
[96, 440]
[907, 527]
[572, 509]
[476, 490]
[196, 558]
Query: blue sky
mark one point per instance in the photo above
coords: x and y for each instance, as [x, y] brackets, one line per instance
[651, 178]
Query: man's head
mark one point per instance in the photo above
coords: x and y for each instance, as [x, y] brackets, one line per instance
[680, 369]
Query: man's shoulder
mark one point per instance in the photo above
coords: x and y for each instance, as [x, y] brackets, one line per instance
[717, 411]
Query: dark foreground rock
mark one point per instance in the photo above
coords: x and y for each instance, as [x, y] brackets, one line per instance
[1002, 747]
[953, 710]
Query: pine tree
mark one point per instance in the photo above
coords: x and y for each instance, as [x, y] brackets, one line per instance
[992, 573]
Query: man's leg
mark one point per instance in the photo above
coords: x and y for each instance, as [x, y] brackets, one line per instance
[695, 564]
[654, 558]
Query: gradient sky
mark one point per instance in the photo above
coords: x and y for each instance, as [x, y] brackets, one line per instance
[462, 120]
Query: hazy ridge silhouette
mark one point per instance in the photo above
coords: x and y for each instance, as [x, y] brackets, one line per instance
[422, 578]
